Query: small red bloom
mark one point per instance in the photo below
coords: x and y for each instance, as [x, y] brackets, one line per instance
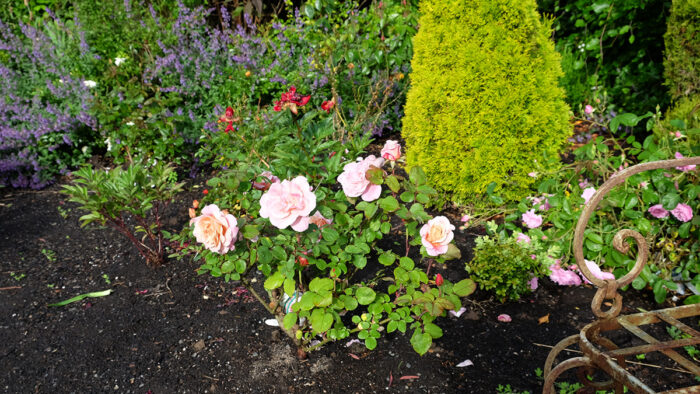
[292, 100]
[228, 116]
[229, 127]
[303, 261]
[438, 280]
[205, 192]
[327, 106]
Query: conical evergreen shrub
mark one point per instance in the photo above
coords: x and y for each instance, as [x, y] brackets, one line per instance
[484, 102]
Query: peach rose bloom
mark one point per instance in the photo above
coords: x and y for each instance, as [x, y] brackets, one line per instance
[354, 180]
[215, 229]
[436, 235]
[288, 203]
[391, 150]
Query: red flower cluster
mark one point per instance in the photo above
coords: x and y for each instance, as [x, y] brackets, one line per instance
[328, 105]
[228, 118]
[291, 100]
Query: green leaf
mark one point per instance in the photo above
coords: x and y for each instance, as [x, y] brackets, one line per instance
[250, 231]
[387, 258]
[406, 196]
[329, 234]
[639, 283]
[228, 266]
[321, 285]
[693, 299]
[371, 343]
[421, 342]
[464, 287]
[83, 296]
[389, 204]
[417, 176]
[274, 281]
[406, 263]
[375, 175]
[290, 319]
[670, 200]
[289, 286]
[393, 183]
[309, 11]
[433, 330]
[365, 295]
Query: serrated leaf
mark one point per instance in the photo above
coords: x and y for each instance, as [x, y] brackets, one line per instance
[365, 295]
[274, 281]
[393, 183]
[290, 319]
[389, 204]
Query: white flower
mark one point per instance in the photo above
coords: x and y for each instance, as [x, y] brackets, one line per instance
[89, 84]
[84, 149]
[119, 60]
[129, 123]
[109, 144]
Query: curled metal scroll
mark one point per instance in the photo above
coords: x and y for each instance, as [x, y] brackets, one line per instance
[607, 289]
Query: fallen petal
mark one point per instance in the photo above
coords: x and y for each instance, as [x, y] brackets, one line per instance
[504, 318]
[459, 312]
[354, 356]
[409, 377]
[465, 363]
[350, 342]
[272, 322]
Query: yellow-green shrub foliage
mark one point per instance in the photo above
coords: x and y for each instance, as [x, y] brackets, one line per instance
[682, 39]
[484, 102]
[686, 109]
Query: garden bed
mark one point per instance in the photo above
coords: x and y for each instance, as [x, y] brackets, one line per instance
[170, 330]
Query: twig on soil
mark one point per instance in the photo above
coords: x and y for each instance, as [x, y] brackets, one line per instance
[627, 361]
[209, 377]
[10, 288]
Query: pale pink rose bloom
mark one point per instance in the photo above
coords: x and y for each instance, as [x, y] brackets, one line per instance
[504, 318]
[534, 283]
[682, 212]
[541, 203]
[689, 167]
[532, 174]
[465, 219]
[644, 184]
[354, 181]
[564, 277]
[288, 203]
[217, 230]
[678, 134]
[391, 150]
[319, 220]
[524, 238]
[436, 235]
[658, 211]
[531, 219]
[588, 109]
[270, 177]
[588, 193]
[596, 271]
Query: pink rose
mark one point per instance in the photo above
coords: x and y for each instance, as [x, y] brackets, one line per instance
[588, 193]
[215, 229]
[588, 109]
[269, 176]
[533, 283]
[689, 167]
[524, 238]
[288, 203]
[682, 212]
[678, 134]
[583, 183]
[391, 150]
[532, 174]
[355, 182]
[531, 219]
[319, 220]
[596, 271]
[658, 211]
[436, 235]
[563, 277]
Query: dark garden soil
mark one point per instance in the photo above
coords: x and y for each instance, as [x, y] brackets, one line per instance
[168, 330]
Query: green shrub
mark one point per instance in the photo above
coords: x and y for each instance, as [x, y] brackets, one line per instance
[484, 101]
[504, 265]
[682, 41]
[684, 116]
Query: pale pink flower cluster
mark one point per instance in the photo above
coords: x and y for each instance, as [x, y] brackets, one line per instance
[391, 150]
[587, 194]
[682, 212]
[288, 203]
[215, 229]
[563, 277]
[689, 167]
[541, 203]
[436, 235]
[588, 109]
[354, 179]
[523, 238]
[531, 219]
[596, 271]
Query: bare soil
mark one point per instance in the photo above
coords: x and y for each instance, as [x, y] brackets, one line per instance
[168, 330]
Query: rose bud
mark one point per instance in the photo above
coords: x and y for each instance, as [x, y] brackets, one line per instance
[261, 185]
[195, 204]
[438, 280]
[193, 214]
